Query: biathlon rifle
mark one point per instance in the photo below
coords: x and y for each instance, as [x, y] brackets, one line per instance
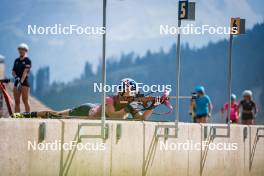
[148, 101]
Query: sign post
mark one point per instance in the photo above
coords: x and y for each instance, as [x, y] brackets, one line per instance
[237, 28]
[103, 71]
[186, 11]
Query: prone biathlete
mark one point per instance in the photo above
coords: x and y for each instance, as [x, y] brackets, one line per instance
[114, 108]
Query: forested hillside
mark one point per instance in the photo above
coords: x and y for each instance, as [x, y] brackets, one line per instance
[206, 66]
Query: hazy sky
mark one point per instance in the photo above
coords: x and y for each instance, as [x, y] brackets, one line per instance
[132, 25]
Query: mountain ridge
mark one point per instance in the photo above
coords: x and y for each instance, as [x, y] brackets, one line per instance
[205, 66]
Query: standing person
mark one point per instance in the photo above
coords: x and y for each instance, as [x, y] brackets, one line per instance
[248, 107]
[233, 110]
[20, 72]
[201, 105]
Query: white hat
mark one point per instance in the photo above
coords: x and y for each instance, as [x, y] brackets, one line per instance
[23, 46]
[247, 93]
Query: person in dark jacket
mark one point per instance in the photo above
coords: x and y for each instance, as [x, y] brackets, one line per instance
[248, 108]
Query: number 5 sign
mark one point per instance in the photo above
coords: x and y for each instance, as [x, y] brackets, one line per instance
[186, 10]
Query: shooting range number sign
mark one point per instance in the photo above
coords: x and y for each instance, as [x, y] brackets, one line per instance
[186, 10]
[183, 9]
[238, 26]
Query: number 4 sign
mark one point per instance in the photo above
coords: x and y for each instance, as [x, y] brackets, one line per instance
[186, 10]
[237, 26]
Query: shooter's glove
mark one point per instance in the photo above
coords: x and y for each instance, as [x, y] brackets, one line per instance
[156, 102]
[17, 79]
[18, 83]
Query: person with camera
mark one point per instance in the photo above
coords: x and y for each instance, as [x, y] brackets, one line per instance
[201, 105]
[192, 107]
[20, 72]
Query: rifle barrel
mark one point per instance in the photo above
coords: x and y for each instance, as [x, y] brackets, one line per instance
[180, 97]
[5, 80]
